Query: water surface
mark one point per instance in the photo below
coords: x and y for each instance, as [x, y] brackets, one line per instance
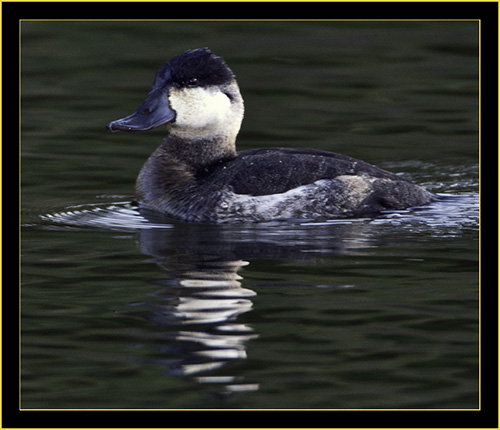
[123, 310]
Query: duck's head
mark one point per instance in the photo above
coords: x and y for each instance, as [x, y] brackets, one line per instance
[195, 95]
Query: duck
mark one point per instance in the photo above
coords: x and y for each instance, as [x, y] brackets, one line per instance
[197, 175]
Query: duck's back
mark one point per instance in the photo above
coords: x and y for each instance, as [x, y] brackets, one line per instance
[275, 183]
[260, 172]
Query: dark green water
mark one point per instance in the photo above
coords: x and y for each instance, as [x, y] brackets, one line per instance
[121, 312]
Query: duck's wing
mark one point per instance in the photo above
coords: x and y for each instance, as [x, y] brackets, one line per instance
[261, 172]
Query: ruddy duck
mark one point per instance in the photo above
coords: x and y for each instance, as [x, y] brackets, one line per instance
[197, 175]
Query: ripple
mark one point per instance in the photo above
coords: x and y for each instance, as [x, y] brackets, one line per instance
[450, 212]
[122, 216]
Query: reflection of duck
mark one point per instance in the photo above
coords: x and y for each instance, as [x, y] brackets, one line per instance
[197, 175]
[208, 292]
[199, 310]
[199, 319]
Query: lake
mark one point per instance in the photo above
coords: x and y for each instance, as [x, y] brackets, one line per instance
[123, 311]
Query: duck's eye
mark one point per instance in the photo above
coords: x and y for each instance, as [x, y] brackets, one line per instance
[146, 111]
[192, 82]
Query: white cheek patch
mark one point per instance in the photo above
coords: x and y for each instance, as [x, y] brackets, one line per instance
[199, 107]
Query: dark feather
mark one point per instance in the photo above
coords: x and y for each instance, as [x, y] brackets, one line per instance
[259, 172]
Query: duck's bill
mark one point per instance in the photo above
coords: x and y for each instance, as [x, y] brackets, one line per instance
[153, 112]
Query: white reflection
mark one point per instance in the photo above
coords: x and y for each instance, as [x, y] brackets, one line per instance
[199, 308]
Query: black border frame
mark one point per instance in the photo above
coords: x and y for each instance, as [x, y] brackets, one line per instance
[486, 12]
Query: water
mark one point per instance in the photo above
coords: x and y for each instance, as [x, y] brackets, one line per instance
[127, 310]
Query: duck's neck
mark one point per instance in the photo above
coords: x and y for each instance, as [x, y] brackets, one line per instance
[198, 153]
